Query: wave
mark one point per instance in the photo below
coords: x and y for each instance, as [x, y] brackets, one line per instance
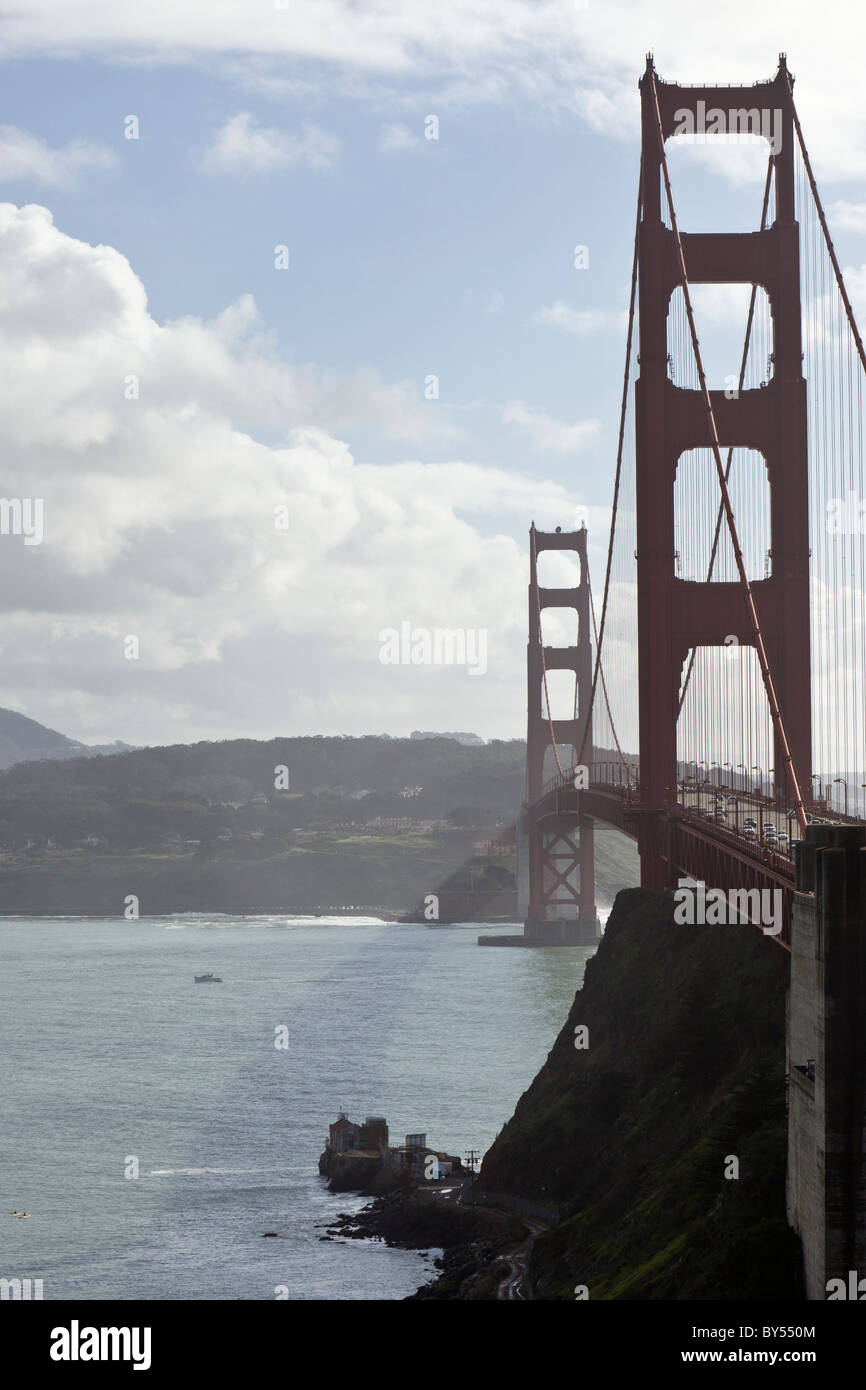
[206, 922]
[196, 1172]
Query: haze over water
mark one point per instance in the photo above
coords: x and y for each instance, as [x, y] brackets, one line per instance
[112, 1051]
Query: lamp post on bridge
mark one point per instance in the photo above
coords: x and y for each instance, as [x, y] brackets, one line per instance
[706, 783]
[741, 767]
[733, 789]
[845, 785]
[760, 787]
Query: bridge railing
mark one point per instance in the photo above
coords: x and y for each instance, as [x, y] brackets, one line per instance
[721, 810]
[624, 779]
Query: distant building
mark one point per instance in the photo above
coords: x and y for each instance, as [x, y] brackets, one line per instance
[374, 1133]
[344, 1134]
[409, 1162]
[369, 1137]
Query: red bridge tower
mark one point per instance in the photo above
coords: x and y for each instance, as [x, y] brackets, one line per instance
[675, 615]
[555, 832]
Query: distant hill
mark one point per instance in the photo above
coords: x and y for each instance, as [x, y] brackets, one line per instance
[24, 740]
[289, 824]
[204, 788]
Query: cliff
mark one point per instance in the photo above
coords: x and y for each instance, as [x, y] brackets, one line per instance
[357, 1171]
[630, 1139]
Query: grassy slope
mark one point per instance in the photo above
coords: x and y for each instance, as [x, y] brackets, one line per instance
[343, 870]
[629, 1139]
[289, 881]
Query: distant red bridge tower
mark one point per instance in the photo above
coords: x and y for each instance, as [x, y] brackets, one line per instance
[557, 836]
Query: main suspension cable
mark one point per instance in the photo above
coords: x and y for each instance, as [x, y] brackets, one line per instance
[616, 484]
[622, 756]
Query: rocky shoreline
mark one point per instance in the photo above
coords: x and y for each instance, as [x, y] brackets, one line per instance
[473, 1239]
[356, 1171]
[615, 1154]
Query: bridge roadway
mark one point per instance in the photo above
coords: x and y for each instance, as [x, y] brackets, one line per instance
[719, 852]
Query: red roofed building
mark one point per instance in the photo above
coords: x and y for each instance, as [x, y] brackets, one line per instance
[344, 1134]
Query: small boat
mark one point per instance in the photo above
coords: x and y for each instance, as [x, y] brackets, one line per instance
[208, 979]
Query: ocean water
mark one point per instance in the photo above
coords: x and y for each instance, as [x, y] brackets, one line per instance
[113, 1056]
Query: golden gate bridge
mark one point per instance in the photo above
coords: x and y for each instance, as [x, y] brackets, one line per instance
[730, 646]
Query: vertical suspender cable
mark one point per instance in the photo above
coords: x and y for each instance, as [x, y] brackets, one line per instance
[619, 448]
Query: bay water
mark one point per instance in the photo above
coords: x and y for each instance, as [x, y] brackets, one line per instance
[219, 1096]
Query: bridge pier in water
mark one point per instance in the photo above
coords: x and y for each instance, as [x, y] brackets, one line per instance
[826, 1058]
[561, 871]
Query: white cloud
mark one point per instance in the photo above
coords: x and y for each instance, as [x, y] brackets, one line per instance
[721, 305]
[554, 53]
[738, 159]
[26, 156]
[159, 522]
[397, 137]
[548, 434]
[855, 283]
[848, 217]
[241, 146]
[581, 322]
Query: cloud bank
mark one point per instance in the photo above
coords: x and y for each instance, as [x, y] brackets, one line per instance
[255, 576]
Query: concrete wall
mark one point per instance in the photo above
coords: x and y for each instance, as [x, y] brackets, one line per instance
[826, 1179]
[805, 1177]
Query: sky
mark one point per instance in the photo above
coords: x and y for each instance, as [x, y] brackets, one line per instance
[296, 365]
